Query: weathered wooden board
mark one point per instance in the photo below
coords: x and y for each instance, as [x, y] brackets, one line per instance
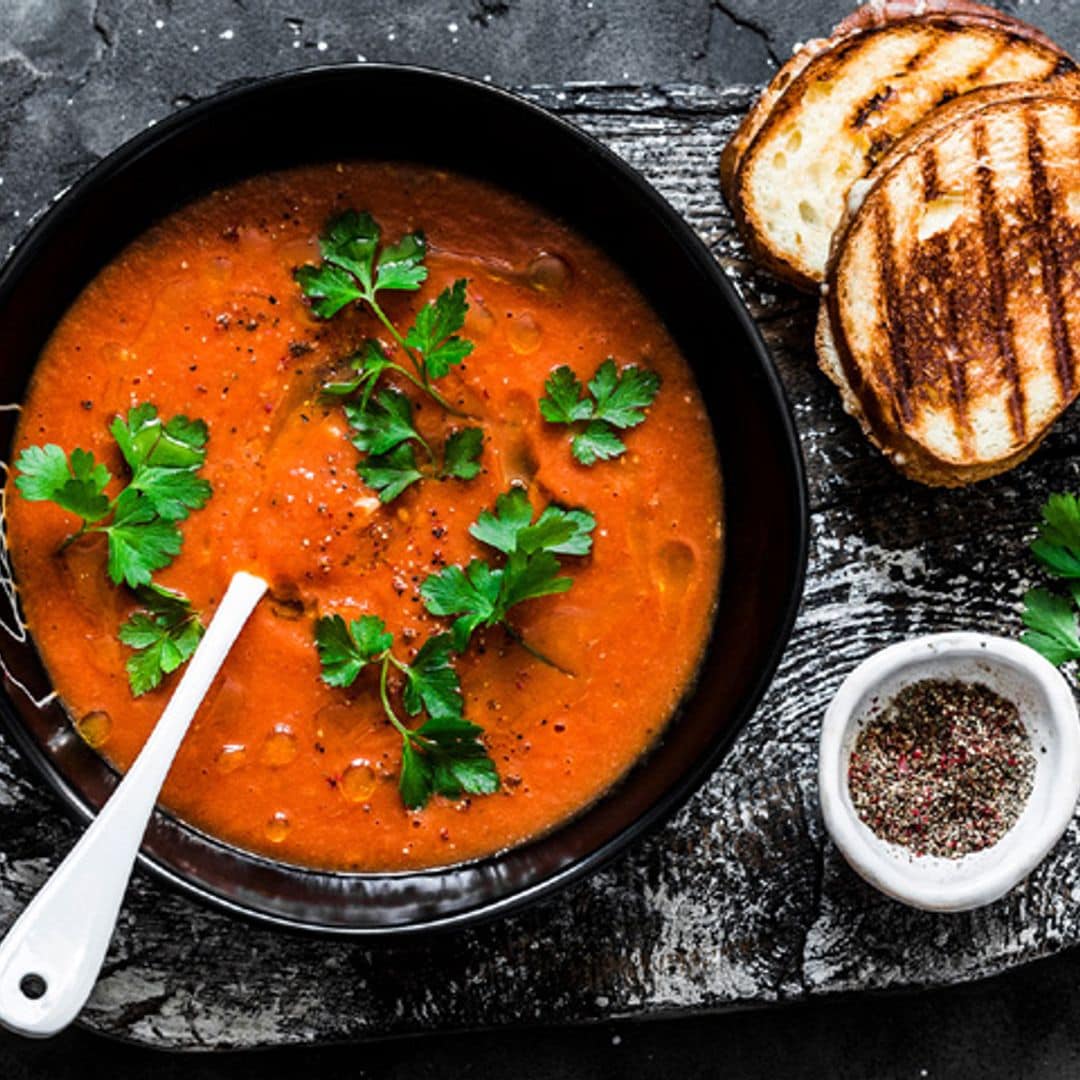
[740, 899]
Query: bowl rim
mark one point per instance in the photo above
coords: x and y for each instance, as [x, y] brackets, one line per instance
[874, 859]
[51, 219]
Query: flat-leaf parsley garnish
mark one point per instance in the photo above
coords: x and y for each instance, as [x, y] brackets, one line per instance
[164, 632]
[1050, 618]
[615, 402]
[354, 270]
[140, 523]
[483, 595]
[445, 754]
[384, 430]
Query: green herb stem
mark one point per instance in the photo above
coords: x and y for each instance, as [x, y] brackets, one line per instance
[385, 697]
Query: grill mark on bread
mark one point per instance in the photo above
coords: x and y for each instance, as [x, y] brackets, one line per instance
[973, 76]
[928, 165]
[939, 256]
[995, 271]
[957, 369]
[1049, 256]
[872, 105]
[900, 383]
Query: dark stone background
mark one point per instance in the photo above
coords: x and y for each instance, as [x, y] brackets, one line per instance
[77, 77]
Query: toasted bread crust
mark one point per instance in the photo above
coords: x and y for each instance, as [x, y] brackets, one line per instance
[872, 15]
[904, 454]
[878, 13]
[752, 123]
[872, 123]
[942, 352]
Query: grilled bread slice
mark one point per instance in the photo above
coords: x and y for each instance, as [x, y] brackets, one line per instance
[951, 315]
[846, 106]
[872, 15]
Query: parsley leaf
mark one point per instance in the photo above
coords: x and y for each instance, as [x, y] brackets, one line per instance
[383, 429]
[482, 596]
[173, 493]
[461, 455]
[526, 577]
[565, 402]
[164, 633]
[1057, 547]
[390, 474]
[443, 756]
[345, 650]
[433, 334]
[473, 594]
[349, 270]
[451, 762]
[617, 403]
[565, 532]
[140, 524]
[401, 265]
[597, 443]
[140, 542]
[620, 397]
[432, 683]
[77, 484]
[349, 242]
[145, 441]
[382, 424]
[329, 288]
[1049, 617]
[1051, 623]
[500, 529]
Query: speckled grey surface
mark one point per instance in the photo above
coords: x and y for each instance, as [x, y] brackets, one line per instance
[740, 899]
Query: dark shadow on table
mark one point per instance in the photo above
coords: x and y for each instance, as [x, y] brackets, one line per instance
[1024, 1025]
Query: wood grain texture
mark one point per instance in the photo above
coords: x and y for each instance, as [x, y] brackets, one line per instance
[740, 899]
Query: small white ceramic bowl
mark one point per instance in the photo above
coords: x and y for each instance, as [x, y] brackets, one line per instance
[1048, 712]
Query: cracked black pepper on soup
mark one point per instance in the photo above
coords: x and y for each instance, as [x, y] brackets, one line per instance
[944, 768]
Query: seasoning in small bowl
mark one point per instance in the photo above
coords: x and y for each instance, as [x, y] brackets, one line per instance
[949, 766]
[945, 768]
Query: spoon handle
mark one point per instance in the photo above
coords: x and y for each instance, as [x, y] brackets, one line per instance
[51, 957]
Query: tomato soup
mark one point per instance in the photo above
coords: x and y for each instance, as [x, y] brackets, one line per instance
[202, 316]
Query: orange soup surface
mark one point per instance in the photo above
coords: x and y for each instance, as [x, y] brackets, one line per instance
[201, 316]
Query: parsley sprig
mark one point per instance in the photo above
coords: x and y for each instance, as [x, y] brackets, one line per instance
[384, 430]
[614, 402]
[141, 521]
[483, 595]
[141, 524]
[1050, 618]
[355, 270]
[443, 756]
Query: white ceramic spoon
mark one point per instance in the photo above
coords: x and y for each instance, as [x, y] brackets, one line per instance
[51, 957]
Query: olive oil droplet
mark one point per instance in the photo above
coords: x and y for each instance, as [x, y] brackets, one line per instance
[230, 757]
[277, 828]
[524, 334]
[280, 747]
[358, 782]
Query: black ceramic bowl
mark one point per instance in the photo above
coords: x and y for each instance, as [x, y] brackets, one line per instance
[284, 121]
